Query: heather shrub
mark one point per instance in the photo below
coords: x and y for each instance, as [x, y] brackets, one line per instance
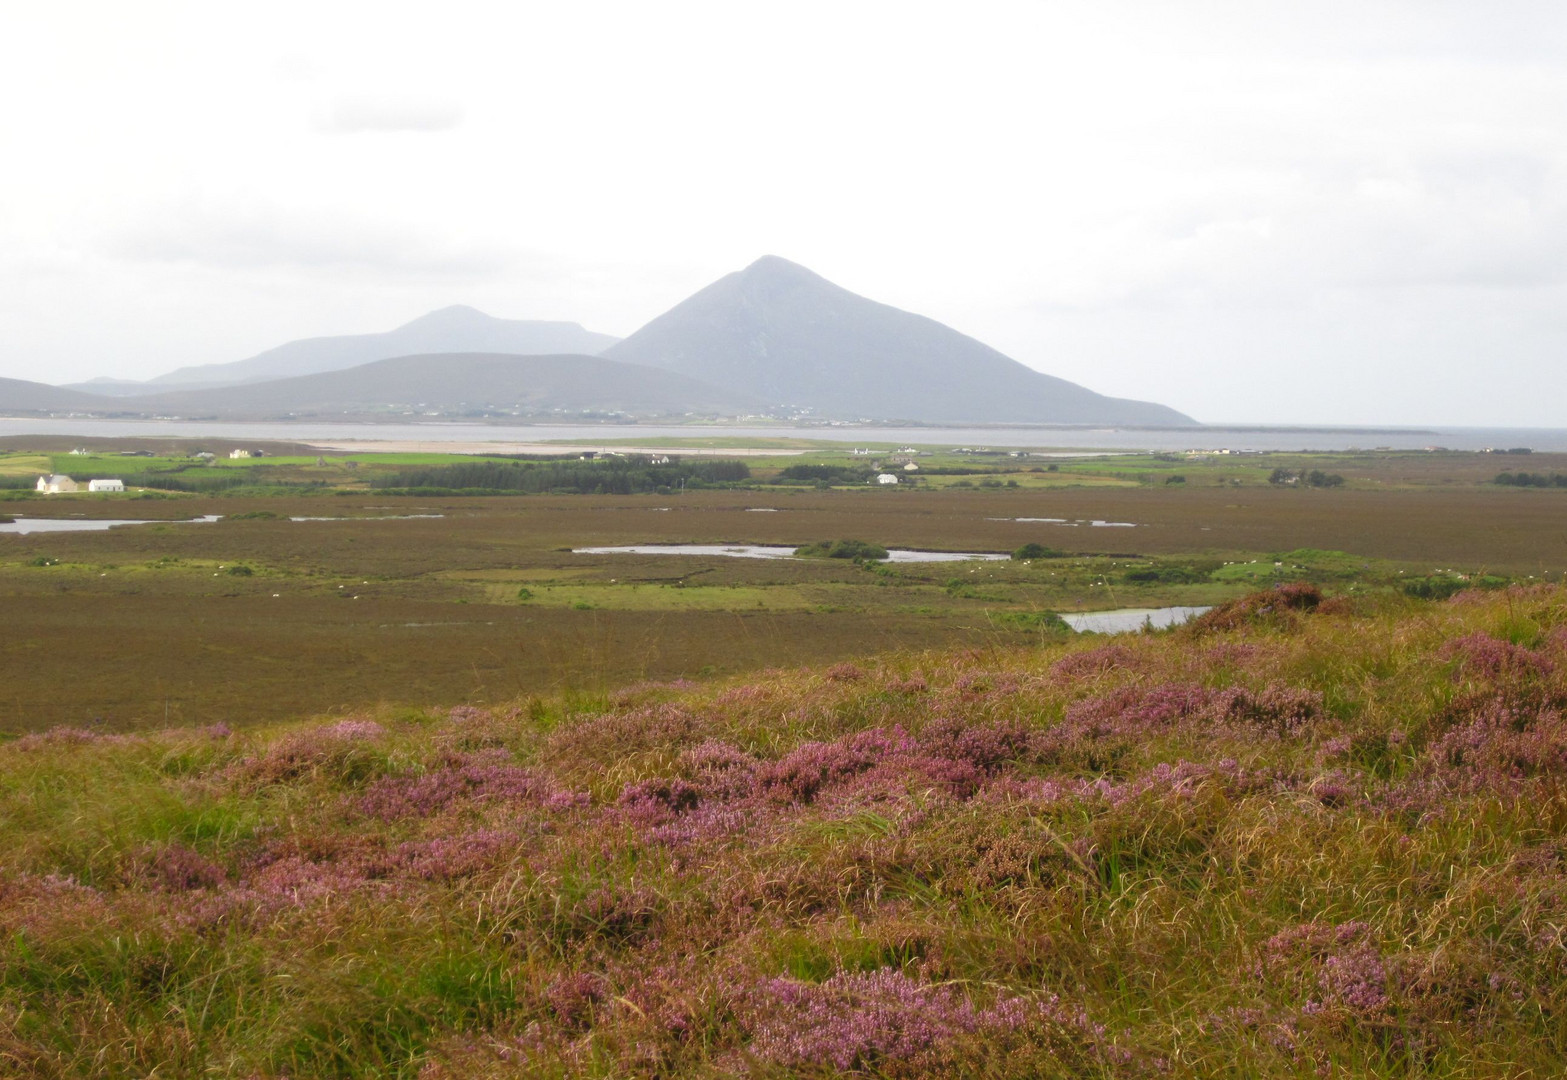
[893, 1025]
[1272, 606]
[1332, 851]
[1483, 657]
[346, 752]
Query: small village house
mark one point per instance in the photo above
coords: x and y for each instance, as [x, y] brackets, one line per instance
[106, 485]
[56, 483]
[237, 454]
[886, 478]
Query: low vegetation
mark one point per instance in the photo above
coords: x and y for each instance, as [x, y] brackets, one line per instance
[611, 476]
[1305, 837]
[1315, 478]
[1525, 479]
[857, 550]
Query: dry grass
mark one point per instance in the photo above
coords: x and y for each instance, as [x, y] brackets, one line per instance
[146, 625]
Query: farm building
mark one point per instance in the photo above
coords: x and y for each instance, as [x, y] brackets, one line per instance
[236, 454]
[106, 485]
[55, 483]
[886, 478]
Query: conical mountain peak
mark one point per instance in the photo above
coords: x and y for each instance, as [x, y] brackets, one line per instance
[783, 333]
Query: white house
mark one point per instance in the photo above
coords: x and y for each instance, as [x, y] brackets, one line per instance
[106, 485]
[55, 483]
[886, 478]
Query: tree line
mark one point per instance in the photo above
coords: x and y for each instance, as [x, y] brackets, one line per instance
[1525, 479]
[610, 476]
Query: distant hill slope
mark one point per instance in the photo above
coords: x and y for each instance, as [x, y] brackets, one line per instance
[781, 332]
[21, 396]
[461, 383]
[450, 330]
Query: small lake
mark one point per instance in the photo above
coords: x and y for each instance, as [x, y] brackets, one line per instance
[771, 551]
[60, 525]
[1130, 620]
[383, 517]
[1093, 523]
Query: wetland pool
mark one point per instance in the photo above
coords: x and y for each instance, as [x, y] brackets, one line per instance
[48, 525]
[1130, 620]
[774, 551]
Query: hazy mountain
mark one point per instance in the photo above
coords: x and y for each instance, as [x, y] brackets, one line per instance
[113, 387]
[782, 333]
[21, 396]
[460, 383]
[450, 330]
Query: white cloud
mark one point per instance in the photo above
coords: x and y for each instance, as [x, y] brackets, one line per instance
[352, 114]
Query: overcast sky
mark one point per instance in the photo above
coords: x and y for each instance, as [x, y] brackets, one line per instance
[1273, 212]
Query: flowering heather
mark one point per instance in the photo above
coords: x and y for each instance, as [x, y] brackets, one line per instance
[1092, 662]
[658, 802]
[64, 736]
[469, 779]
[641, 692]
[336, 749]
[1333, 968]
[179, 869]
[1303, 845]
[444, 858]
[1138, 711]
[1482, 656]
[873, 1020]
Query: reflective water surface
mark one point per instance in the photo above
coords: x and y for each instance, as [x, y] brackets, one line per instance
[48, 525]
[771, 551]
[1129, 620]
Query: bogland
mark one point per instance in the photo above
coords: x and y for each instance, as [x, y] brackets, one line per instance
[466, 590]
[1297, 837]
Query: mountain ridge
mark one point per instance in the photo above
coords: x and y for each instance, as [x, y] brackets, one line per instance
[480, 384]
[454, 329]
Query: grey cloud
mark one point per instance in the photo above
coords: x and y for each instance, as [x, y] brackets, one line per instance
[360, 113]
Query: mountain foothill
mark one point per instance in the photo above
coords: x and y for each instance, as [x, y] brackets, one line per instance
[771, 340]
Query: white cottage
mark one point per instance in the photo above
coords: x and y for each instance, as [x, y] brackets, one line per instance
[886, 478]
[106, 485]
[55, 483]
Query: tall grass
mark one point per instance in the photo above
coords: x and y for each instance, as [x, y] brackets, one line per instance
[1293, 840]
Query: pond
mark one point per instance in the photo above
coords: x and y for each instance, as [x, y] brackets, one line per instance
[383, 517]
[1130, 620]
[772, 551]
[53, 525]
[1093, 523]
